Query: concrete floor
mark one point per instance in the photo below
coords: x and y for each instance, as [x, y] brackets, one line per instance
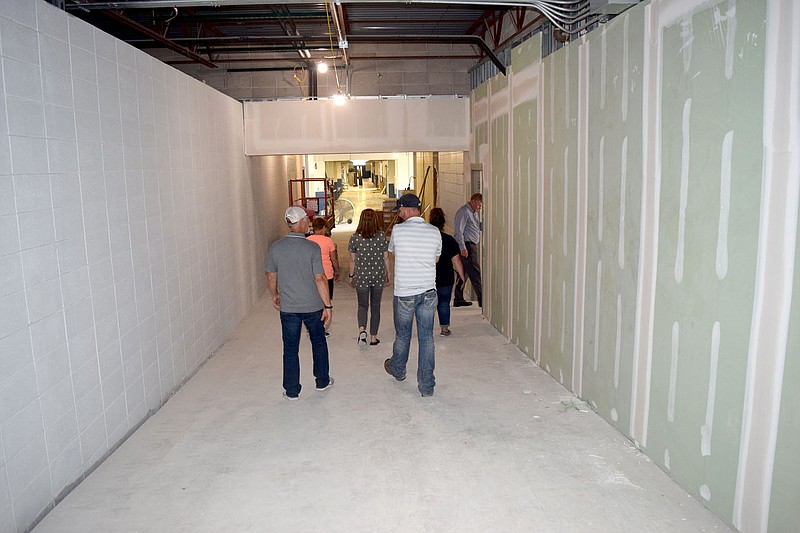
[494, 450]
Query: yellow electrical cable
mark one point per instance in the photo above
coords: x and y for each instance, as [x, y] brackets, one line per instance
[302, 72]
[333, 53]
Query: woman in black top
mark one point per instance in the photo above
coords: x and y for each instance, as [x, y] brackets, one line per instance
[445, 277]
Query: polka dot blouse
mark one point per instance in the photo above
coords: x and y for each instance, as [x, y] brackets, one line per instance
[369, 269]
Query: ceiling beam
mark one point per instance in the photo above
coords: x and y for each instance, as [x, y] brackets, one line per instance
[172, 45]
[454, 39]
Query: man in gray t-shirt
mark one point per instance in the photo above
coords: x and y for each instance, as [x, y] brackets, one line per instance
[299, 289]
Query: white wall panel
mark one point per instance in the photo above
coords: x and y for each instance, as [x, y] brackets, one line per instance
[381, 125]
[129, 244]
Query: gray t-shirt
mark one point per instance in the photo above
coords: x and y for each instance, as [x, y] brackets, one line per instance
[297, 261]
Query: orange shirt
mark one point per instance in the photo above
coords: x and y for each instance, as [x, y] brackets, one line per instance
[328, 247]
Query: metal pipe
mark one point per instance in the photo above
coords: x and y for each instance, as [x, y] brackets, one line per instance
[249, 17]
[263, 69]
[151, 4]
[352, 58]
[336, 11]
[455, 39]
[561, 13]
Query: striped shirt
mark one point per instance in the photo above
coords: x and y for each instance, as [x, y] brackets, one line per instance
[416, 246]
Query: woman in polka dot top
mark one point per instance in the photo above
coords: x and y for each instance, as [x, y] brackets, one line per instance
[369, 273]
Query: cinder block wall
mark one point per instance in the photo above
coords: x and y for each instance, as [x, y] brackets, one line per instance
[453, 185]
[269, 177]
[652, 169]
[132, 237]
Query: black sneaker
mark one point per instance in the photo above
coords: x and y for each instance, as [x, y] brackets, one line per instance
[389, 370]
[328, 386]
[462, 304]
[290, 398]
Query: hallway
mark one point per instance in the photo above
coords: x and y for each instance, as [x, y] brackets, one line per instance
[496, 448]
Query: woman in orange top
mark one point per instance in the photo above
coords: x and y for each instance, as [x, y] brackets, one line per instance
[330, 256]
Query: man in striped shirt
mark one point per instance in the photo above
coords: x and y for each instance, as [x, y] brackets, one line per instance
[416, 246]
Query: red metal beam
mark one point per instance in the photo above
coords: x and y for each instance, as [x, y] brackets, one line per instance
[122, 19]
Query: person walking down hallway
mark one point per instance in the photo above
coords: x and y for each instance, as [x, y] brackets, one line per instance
[416, 246]
[468, 227]
[369, 272]
[449, 262]
[299, 290]
[330, 256]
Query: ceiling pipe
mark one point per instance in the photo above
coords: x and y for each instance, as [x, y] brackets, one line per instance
[265, 69]
[249, 17]
[294, 59]
[151, 4]
[561, 13]
[338, 20]
[454, 39]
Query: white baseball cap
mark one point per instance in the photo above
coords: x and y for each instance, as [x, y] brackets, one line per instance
[295, 214]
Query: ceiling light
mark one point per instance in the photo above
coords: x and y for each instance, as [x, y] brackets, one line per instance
[322, 67]
[338, 99]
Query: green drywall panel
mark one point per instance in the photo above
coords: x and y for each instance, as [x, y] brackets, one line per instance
[613, 229]
[481, 137]
[498, 83]
[481, 91]
[784, 511]
[560, 99]
[527, 54]
[480, 130]
[523, 229]
[497, 223]
[710, 192]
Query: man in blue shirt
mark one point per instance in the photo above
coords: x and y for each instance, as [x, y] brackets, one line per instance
[299, 289]
[467, 232]
[416, 246]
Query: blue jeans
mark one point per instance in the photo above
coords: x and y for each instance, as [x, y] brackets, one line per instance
[443, 307]
[291, 327]
[422, 306]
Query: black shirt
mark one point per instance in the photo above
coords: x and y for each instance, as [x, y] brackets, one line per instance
[445, 275]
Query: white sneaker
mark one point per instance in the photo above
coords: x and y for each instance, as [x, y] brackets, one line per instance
[290, 398]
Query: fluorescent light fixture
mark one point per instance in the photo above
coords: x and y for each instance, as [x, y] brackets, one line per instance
[322, 67]
[358, 162]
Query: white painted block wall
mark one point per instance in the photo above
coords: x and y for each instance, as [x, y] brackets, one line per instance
[454, 183]
[129, 245]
